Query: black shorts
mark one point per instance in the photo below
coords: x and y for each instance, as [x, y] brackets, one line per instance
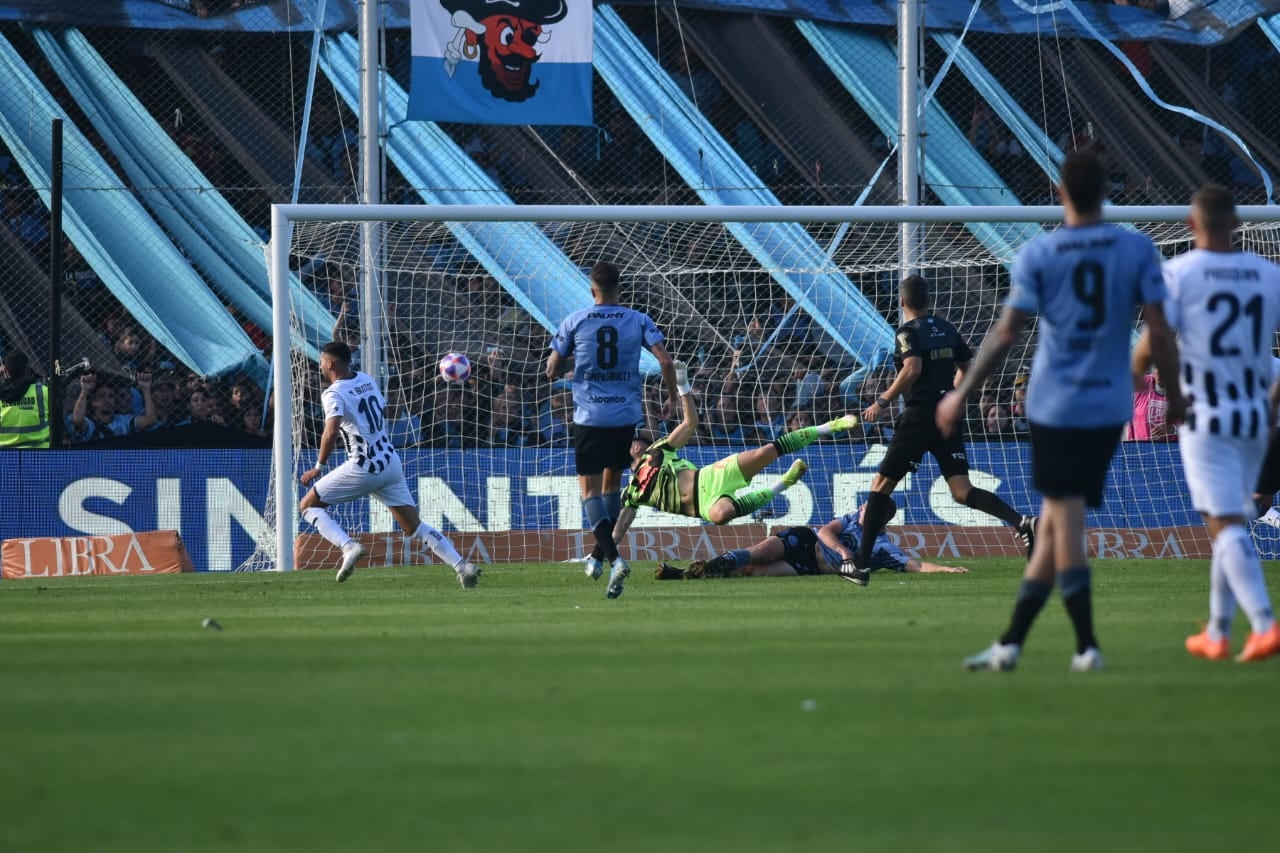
[801, 545]
[596, 449]
[916, 434]
[1069, 462]
[1269, 476]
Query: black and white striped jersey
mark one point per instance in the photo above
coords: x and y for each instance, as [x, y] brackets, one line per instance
[1225, 307]
[360, 405]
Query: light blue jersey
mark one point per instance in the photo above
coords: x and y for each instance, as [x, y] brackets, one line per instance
[605, 342]
[1085, 283]
[884, 554]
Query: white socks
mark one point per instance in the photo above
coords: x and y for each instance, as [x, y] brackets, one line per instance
[1243, 571]
[324, 524]
[439, 545]
[1222, 601]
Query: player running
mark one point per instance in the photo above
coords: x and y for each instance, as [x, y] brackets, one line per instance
[931, 354]
[604, 342]
[662, 480]
[1084, 280]
[353, 408]
[1225, 306]
[796, 551]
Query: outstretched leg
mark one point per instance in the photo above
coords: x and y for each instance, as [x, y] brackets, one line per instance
[755, 460]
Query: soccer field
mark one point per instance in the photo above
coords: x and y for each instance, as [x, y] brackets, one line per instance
[398, 712]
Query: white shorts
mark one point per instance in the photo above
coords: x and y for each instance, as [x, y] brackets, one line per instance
[348, 482]
[1221, 471]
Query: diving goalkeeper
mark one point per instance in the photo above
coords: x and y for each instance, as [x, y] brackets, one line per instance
[662, 480]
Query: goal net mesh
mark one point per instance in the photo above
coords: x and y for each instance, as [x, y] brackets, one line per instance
[784, 336]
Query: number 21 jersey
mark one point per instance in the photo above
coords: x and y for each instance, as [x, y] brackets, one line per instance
[360, 405]
[1085, 282]
[1226, 309]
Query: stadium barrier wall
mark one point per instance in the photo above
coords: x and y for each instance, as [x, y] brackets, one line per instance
[215, 499]
[158, 552]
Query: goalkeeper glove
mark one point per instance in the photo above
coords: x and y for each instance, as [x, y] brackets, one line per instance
[682, 379]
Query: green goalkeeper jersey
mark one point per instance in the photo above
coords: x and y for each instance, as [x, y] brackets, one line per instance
[656, 481]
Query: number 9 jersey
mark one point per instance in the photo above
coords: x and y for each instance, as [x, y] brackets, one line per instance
[360, 405]
[605, 342]
[1085, 282]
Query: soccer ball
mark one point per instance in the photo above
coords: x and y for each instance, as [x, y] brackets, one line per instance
[455, 367]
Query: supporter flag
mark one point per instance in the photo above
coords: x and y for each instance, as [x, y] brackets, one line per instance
[501, 61]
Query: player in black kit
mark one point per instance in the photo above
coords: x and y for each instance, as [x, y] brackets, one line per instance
[930, 356]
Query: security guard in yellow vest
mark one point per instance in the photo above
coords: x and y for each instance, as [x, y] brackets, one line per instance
[24, 405]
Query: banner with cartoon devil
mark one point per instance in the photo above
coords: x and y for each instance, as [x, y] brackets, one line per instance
[501, 61]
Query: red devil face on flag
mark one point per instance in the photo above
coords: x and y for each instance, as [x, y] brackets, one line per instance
[502, 61]
[505, 37]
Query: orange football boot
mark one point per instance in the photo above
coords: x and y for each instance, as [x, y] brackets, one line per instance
[1260, 646]
[1203, 646]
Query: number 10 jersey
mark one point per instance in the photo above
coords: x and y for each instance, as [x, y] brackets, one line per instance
[360, 405]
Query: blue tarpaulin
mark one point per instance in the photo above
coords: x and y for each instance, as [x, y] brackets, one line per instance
[1203, 23]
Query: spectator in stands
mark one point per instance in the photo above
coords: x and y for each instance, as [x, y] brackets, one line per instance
[94, 415]
[555, 424]
[1150, 408]
[203, 407]
[449, 425]
[244, 397]
[997, 421]
[770, 422]
[508, 426]
[169, 405]
[128, 348]
[1018, 408]
[25, 410]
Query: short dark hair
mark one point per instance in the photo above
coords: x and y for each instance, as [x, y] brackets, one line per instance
[16, 364]
[1215, 207]
[338, 351]
[1085, 180]
[915, 292]
[604, 275]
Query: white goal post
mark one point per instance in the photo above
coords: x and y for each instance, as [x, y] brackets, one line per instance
[831, 270]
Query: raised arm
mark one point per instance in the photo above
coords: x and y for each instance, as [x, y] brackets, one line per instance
[148, 418]
[688, 425]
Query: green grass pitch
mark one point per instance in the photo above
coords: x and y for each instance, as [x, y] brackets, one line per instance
[400, 712]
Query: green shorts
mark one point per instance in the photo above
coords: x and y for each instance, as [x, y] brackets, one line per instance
[718, 480]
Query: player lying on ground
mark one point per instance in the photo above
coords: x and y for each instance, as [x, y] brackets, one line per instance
[662, 480]
[795, 551]
[353, 408]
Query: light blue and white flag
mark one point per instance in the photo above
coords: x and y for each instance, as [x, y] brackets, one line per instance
[501, 61]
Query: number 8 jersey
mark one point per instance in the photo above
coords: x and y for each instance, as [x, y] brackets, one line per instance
[605, 342]
[360, 405]
[1085, 283]
[1225, 307]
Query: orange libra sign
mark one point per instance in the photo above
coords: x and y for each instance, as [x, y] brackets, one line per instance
[155, 553]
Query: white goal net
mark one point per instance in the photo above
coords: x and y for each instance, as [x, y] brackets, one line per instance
[786, 317]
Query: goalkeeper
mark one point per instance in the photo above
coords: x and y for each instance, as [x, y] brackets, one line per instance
[662, 480]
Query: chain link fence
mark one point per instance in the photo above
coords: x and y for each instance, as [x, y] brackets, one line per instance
[801, 104]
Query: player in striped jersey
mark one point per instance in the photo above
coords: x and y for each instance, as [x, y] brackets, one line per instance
[1225, 306]
[353, 410]
[1084, 281]
[797, 551]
